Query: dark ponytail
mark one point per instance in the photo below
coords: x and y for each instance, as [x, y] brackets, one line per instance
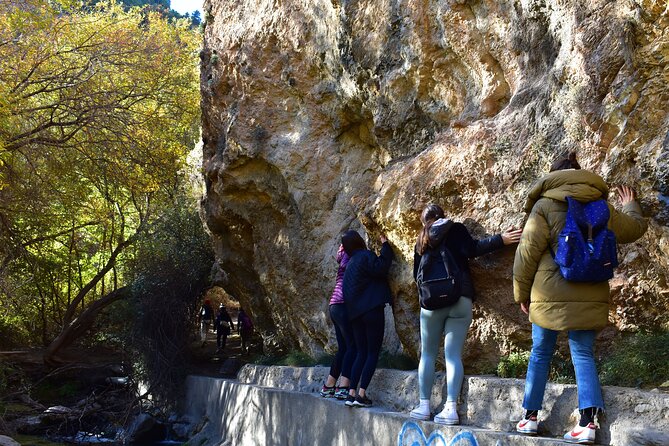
[431, 213]
[568, 162]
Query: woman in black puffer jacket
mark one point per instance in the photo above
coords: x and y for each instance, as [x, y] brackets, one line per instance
[366, 293]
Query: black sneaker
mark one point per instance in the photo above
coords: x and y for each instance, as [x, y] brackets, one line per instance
[361, 401]
[350, 401]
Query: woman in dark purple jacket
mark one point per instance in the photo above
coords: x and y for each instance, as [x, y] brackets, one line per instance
[341, 365]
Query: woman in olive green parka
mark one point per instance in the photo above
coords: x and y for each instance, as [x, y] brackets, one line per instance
[553, 303]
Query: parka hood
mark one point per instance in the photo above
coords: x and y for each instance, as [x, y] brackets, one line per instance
[438, 231]
[581, 184]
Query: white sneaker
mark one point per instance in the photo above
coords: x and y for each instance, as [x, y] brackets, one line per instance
[420, 413]
[448, 416]
[528, 426]
[582, 435]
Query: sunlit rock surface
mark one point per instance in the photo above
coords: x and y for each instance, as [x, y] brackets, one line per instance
[325, 115]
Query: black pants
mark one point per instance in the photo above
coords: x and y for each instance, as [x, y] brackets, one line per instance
[222, 337]
[246, 340]
[343, 360]
[368, 335]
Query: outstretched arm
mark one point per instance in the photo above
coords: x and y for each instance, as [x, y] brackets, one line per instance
[381, 264]
[628, 224]
[470, 247]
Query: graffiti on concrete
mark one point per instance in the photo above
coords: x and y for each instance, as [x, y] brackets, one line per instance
[412, 435]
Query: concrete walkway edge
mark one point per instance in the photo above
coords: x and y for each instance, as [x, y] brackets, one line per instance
[281, 406]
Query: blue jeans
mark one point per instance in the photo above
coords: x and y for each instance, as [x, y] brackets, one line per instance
[581, 346]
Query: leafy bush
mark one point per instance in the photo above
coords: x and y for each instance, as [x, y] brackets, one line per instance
[513, 365]
[10, 377]
[12, 332]
[324, 359]
[639, 360]
[399, 362]
[562, 369]
[301, 359]
[293, 359]
[49, 391]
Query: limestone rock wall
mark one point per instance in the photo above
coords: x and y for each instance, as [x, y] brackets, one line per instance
[323, 115]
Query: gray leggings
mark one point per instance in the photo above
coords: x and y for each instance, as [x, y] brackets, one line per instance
[453, 322]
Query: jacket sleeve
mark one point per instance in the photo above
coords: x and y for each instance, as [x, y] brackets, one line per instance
[380, 266]
[533, 244]
[628, 224]
[470, 247]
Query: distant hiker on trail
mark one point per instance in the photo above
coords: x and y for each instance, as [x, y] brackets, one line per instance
[206, 317]
[245, 330]
[343, 360]
[366, 293]
[223, 326]
[556, 294]
[446, 293]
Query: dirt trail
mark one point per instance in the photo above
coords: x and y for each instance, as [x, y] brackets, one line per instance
[208, 360]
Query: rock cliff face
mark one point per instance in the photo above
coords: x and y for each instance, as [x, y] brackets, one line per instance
[323, 115]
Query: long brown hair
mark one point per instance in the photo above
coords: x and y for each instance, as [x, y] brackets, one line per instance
[431, 213]
[568, 162]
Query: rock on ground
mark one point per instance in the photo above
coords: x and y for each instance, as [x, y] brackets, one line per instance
[8, 441]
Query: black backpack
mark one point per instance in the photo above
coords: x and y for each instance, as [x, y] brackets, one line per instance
[438, 278]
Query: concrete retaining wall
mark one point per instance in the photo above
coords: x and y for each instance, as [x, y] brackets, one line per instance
[633, 417]
[236, 414]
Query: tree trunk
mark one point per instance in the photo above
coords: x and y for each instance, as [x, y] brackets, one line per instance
[75, 329]
[79, 298]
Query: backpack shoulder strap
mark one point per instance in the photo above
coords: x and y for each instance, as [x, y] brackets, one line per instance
[449, 261]
[446, 256]
[443, 250]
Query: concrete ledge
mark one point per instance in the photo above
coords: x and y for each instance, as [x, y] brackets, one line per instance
[250, 415]
[633, 417]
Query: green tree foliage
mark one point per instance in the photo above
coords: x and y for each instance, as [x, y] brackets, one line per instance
[98, 109]
[162, 3]
[161, 6]
[196, 18]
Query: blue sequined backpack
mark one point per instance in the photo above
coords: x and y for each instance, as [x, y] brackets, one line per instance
[586, 249]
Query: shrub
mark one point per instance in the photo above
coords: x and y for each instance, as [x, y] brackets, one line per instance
[639, 360]
[10, 378]
[324, 359]
[297, 359]
[513, 365]
[399, 362]
[562, 369]
[294, 358]
[12, 332]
